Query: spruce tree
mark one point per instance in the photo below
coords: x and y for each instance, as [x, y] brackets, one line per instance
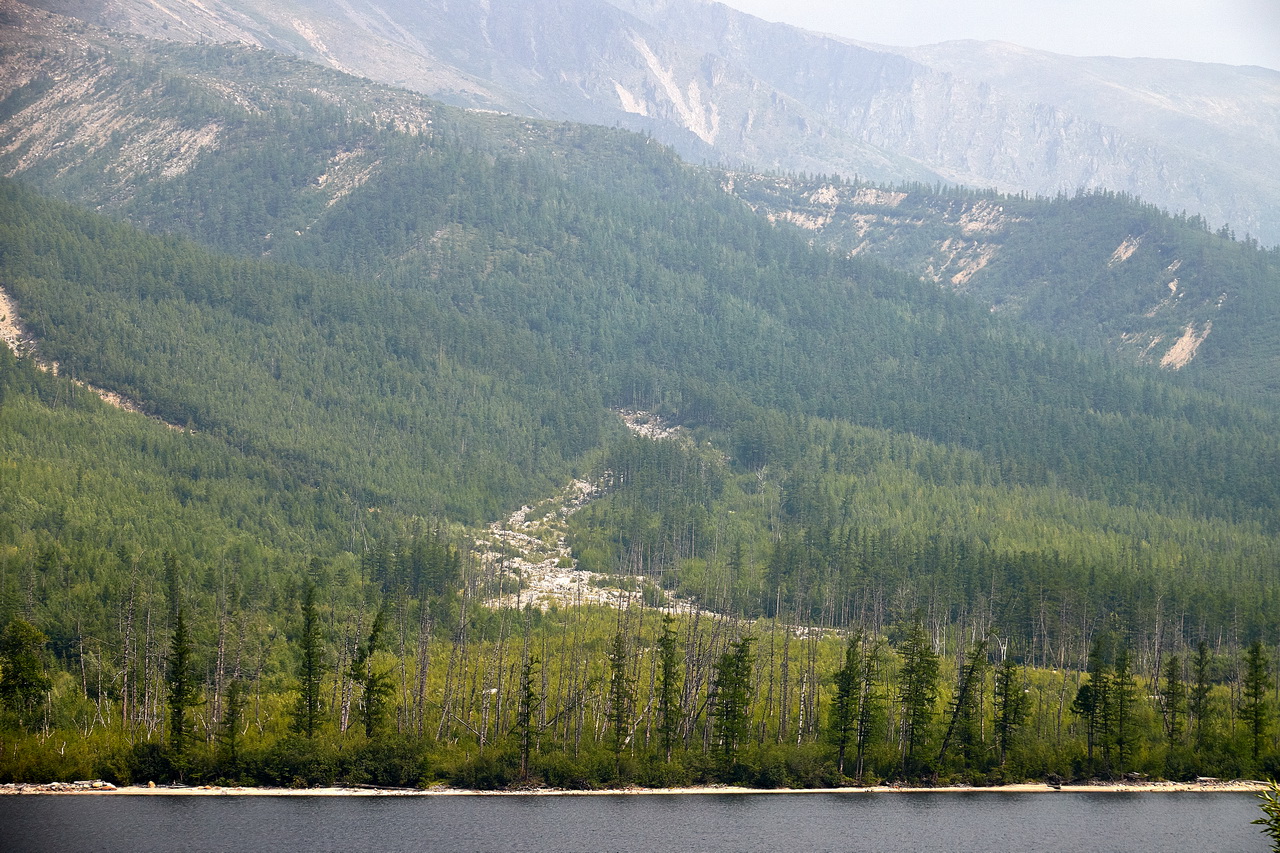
[1094, 701]
[621, 696]
[1173, 700]
[182, 687]
[1198, 703]
[731, 702]
[1253, 707]
[917, 692]
[1123, 694]
[232, 721]
[668, 686]
[308, 712]
[375, 687]
[868, 706]
[1011, 706]
[964, 726]
[526, 725]
[845, 706]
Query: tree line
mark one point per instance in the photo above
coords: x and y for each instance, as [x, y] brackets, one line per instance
[385, 686]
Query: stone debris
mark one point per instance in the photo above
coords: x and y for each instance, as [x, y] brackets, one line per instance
[648, 424]
[1124, 251]
[81, 787]
[527, 562]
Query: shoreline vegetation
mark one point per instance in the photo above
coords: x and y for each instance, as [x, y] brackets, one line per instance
[97, 787]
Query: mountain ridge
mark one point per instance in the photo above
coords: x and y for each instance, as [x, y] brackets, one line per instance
[726, 87]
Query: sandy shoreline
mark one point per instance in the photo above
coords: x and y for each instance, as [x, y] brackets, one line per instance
[85, 789]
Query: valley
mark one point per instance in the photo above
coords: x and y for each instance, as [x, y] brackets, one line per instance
[492, 449]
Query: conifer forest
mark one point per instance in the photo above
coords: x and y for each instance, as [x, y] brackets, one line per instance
[784, 516]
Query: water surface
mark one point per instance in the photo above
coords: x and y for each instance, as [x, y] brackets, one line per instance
[979, 822]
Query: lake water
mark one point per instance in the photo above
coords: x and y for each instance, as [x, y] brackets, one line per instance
[781, 823]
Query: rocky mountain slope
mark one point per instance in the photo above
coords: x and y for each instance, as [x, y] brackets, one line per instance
[724, 86]
[1101, 269]
[85, 116]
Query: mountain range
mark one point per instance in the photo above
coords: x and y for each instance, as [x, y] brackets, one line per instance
[724, 87]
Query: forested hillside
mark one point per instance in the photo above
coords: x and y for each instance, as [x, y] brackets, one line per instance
[1101, 269]
[374, 324]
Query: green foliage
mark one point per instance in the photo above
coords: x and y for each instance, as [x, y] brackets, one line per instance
[917, 692]
[23, 680]
[182, 690]
[1257, 682]
[375, 685]
[1270, 820]
[730, 705]
[668, 687]
[355, 379]
[309, 709]
[1099, 268]
[1011, 706]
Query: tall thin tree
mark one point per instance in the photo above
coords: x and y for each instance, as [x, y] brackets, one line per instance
[308, 712]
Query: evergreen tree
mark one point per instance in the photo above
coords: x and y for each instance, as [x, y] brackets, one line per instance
[1123, 695]
[23, 681]
[668, 686]
[1253, 706]
[845, 706]
[1094, 701]
[1011, 706]
[232, 721]
[375, 687]
[182, 688]
[1173, 700]
[526, 723]
[308, 712]
[964, 727]
[917, 692]
[869, 709]
[731, 703]
[1198, 702]
[621, 696]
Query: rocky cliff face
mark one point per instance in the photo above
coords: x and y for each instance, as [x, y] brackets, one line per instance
[726, 87]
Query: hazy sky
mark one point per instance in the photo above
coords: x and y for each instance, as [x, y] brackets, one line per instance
[1237, 32]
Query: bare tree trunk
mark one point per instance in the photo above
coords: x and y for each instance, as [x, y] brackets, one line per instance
[423, 666]
[784, 709]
